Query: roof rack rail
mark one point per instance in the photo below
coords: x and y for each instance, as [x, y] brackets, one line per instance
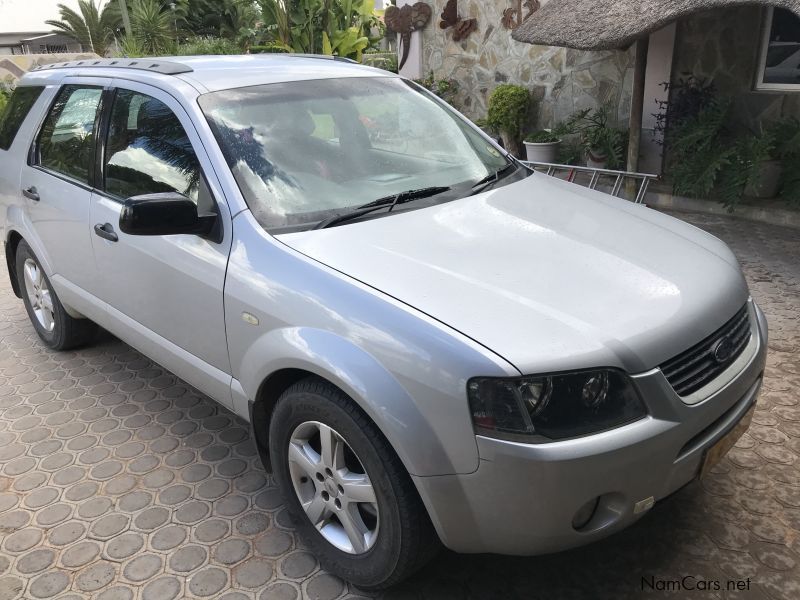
[322, 56]
[164, 67]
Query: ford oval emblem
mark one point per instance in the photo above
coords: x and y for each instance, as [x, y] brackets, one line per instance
[723, 350]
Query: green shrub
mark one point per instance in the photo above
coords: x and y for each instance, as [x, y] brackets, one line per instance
[710, 157]
[446, 89]
[543, 137]
[509, 106]
[208, 45]
[4, 96]
[381, 60]
[598, 138]
[269, 49]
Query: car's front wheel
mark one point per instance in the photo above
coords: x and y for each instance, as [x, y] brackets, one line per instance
[350, 497]
[55, 327]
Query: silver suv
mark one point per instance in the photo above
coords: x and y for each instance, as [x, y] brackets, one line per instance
[432, 343]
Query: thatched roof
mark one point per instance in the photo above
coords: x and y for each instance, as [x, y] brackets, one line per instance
[608, 24]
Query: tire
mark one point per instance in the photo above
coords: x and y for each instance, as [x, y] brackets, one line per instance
[55, 327]
[401, 538]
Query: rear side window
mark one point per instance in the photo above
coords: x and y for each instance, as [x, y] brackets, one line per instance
[66, 142]
[20, 104]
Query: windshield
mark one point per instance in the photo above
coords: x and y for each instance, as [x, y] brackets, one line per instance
[306, 150]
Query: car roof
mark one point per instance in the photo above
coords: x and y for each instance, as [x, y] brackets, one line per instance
[212, 73]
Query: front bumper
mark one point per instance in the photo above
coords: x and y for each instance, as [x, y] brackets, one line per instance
[523, 497]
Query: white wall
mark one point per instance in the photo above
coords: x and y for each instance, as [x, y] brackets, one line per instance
[659, 70]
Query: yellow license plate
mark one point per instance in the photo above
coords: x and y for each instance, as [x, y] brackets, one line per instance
[722, 447]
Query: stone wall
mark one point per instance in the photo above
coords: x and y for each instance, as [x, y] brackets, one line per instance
[14, 67]
[561, 80]
[723, 45]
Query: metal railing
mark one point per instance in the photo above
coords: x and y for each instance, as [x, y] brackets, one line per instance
[604, 180]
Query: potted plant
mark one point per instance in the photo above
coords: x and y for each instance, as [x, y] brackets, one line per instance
[774, 150]
[509, 106]
[603, 145]
[542, 146]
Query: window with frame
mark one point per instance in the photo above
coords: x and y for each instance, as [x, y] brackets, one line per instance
[66, 141]
[20, 104]
[148, 151]
[779, 66]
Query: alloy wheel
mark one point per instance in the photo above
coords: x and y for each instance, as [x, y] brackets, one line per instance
[39, 295]
[333, 487]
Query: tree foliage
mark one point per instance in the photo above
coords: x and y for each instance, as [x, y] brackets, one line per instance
[508, 111]
[711, 155]
[334, 27]
[90, 26]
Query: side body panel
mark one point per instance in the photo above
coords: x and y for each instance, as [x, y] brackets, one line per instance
[407, 371]
[60, 218]
[172, 285]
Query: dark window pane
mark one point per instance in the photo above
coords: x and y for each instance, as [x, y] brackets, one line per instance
[66, 143]
[783, 52]
[148, 151]
[18, 108]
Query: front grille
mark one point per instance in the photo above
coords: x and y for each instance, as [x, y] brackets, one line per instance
[700, 364]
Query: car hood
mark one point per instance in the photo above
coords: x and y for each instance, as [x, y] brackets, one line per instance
[547, 274]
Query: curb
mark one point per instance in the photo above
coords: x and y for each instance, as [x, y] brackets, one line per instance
[772, 216]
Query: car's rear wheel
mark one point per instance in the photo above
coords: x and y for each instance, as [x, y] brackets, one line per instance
[55, 327]
[350, 497]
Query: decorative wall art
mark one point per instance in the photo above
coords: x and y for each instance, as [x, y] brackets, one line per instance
[513, 17]
[462, 28]
[405, 21]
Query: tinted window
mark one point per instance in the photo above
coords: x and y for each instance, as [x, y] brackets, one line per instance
[66, 143]
[148, 151]
[783, 49]
[18, 108]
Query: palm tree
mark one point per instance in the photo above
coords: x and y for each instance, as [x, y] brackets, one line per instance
[91, 27]
[153, 26]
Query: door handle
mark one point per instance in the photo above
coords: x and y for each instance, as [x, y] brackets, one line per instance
[106, 231]
[31, 193]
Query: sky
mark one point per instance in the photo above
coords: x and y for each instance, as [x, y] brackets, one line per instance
[29, 15]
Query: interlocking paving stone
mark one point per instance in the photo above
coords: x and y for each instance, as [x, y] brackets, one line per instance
[36, 560]
[96, 576]
[168, 537]
[280, 590]
[143, 567]
[324, 587]
[119, 481]
[163, 588]
[80, 554]
[49, 584]
[124, 546]
[187, 558]
[231, 551]
[208, 582]
[298, 564]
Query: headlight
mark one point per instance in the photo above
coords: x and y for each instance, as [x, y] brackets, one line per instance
[554, 406]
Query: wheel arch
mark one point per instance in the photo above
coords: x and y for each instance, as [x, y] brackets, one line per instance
[262, 407]
[342, 364]
[12, 242]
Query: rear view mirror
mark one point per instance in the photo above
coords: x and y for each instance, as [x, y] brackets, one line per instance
[168, 213]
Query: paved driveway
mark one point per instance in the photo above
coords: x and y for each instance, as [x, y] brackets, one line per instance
[119, 481]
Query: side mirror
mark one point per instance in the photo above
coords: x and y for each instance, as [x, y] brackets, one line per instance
[169, 213]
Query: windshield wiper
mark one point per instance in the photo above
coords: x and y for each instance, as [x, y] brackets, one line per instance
[390, 201]
[491, 178]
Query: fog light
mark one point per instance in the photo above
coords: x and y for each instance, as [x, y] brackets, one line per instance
[585, 514]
